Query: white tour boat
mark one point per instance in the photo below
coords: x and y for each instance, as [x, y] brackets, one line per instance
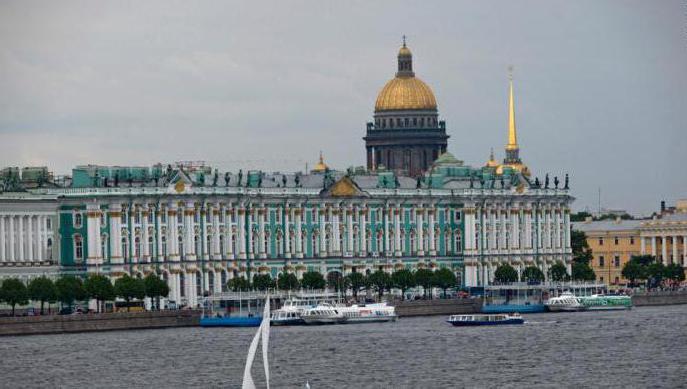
[323, 314]
[566, 302]
[368, 313]
[485, 319]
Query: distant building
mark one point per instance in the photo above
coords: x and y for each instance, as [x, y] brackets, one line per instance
[614, 242]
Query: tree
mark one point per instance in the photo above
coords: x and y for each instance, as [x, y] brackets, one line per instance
[444, 279]
[14, 293]
[505, 274]
[262, 281]
[424, 278]
[634, 270]
[100, 288]
[532, 274]
[581, 251]
[237, 284]
[380, 280]
[675, 273]
[357, 281]
[558, 272]
[313, 280]
[155, 287]
[655, 274]
[42, 289]
[287, 281]
[403, 279]
[582, 272]
[130, 288]
[336, 281]
[69, 289]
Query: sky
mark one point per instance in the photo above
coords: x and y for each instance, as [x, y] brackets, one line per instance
[600, 86]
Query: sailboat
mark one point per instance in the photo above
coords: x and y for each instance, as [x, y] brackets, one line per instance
[264, 333]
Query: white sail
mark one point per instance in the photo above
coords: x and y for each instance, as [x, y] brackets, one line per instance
[264, 332]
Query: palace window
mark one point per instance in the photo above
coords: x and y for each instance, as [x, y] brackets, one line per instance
[137, 247]
[222, 246]
[78, 248]
[208, 216]
[123, 216]
[196, 217]
[208, 245]
[459, 242]
[163, 217]
[182, 251]
[601, 261]
[104, 246]
[78, 220]
[125, 248]
[211, 282]
[182, 284]
[422, 122]
[151, 215]
[632, 241]
[180, 216]
[199, 284]
[151, 246]
[616, 261]
[164, 246]
[616, 240]
[197, 243]
[406, 122]
[414, 121]
[137, 217]
[601, 241]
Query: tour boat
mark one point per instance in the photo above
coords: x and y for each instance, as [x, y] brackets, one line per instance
[485, 320]
[516, 297]
[566, 302]
[323, 314]
[599, 302]
[233, 310]
[290, 313]
[368, 313]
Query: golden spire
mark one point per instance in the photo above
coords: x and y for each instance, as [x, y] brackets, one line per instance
[512, 135]
[320, 167]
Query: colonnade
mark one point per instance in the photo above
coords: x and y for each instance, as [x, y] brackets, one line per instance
[25, 237]
[650, 242]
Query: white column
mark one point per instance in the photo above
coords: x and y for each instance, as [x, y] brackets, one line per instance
[216, 250]
[568, 243]
[664, 249]
[173, 236]
[298, 215]
[145, 234]
[189, 243]
[350, 250]
[674, 242]
[249, 234]
[684, 251]
[2, 239]
[469, 238]
[397, 231]
[515, 228]
[11, 252]
[430, 231]
[642, 245]
[93, 230]
[362, 230]
[386, 211]
[20, 232]
[336, 246]
[158, 231]
[132, 235]
[40, 237]
[420, 225]
[287, 233]
[323, 232]
[228, 233]
[29, 239]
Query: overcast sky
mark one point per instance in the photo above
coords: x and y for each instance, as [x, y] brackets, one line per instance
[600, 86]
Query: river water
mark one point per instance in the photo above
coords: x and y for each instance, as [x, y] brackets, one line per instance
[644, 347]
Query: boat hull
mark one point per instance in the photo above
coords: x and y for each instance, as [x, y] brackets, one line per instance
[510, 308]
[287, 322]
[324, 320]
[608, 308]
[230, 321]
[564, 308]
[487, 323]
[371, 319]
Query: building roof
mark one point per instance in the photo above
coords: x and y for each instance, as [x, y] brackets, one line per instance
[607, 225]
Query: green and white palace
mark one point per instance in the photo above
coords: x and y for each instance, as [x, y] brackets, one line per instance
[413, 206]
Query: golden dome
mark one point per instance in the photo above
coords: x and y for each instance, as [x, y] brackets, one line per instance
[320, 167]
[404, 51]
[492, 162]
[405, 93]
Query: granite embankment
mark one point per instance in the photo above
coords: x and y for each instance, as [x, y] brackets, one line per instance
[55, 324]
[659, 298]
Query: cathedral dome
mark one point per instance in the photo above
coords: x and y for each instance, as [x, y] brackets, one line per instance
[405, 91]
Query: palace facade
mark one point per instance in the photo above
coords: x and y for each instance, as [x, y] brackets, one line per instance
[197, 227]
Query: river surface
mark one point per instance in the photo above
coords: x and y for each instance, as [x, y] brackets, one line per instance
[644, 347]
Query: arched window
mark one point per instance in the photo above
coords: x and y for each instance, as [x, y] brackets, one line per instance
[103, 246]
[125, 248]
[78, 220]
[196, 243]
[182, 284]
[78, 248]
[208, 244]
[182, 252]
[222, 246]
[458, 242]
[413, 247]
[137, 247]
[199, 284]
[315, 249]
[151, 245]
[211, 282]
[164, 246]
[49, 249]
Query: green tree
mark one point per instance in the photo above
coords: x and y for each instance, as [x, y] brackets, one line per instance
[42, 289]
[155, 287]
[403, 279]
[505, 274]
[262, 282]
[644, 260]
[287, 281]
[655, 272]
[444, 279]
[532, 274]
[580, 248]
[634, 270]
[425, 278]
[313, 280]
[358, 281]
[70, 289]
[100, 288]
[336, 281]
[237, 284]
[582, 272]
[675, 273]
[580, 216]
[558, 272]
[130, 288]
[380, 281]
[14, 293]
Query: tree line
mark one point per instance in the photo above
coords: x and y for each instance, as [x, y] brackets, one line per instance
[506, 273]
[645, 269]
[68, 289]
[378, 282]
